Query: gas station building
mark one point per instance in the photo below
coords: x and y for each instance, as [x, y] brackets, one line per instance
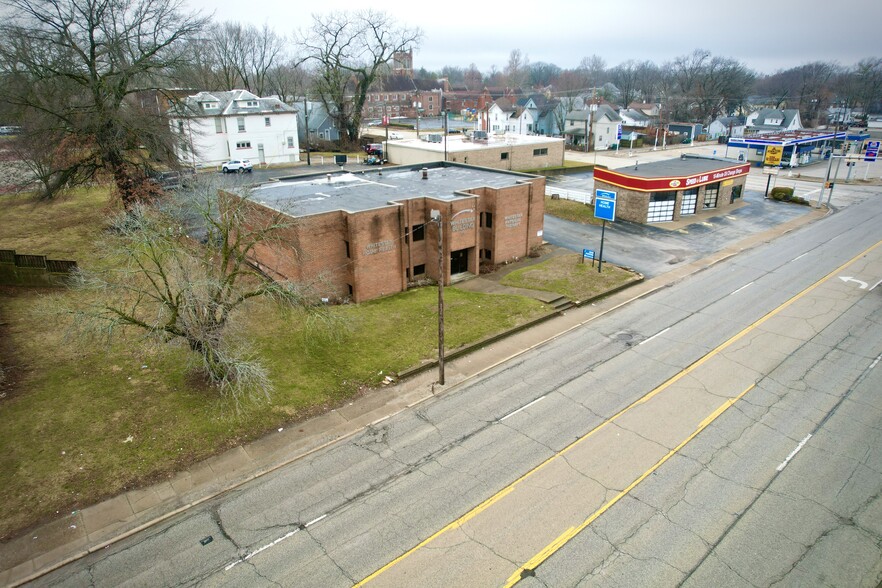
[669, 190]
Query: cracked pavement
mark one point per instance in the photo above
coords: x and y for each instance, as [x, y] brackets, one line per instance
[481, 496]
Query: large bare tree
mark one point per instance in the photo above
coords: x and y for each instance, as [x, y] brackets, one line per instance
[349, 51]
[74, 64]
[181, 271]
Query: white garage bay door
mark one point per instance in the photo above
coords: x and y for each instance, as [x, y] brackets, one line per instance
[690, 199]
[661, 207]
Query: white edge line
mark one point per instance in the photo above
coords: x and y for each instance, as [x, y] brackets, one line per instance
[654, 336]
[271, 544]
[741, 288]
[526, 406]
[876, 362]
[800, 256]
[792, 453]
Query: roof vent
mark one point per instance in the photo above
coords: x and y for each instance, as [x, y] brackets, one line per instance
[329, 178]
[425, 173]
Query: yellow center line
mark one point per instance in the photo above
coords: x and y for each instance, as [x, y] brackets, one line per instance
[560, 541]
[570, 533]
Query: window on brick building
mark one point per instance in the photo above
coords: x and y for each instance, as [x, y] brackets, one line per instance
[487, 220]
[503, 156]
[418, 232]
[419, 270]
[537, 152]
[346, 243]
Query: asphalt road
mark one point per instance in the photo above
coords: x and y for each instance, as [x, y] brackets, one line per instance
[653, 249]
[724, 430]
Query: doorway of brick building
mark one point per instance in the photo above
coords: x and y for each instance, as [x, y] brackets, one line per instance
[459, 262]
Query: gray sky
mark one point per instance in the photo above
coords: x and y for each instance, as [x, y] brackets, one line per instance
[766, 36]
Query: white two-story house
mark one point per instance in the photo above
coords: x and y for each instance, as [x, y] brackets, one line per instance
[214, 127]
[503, 117]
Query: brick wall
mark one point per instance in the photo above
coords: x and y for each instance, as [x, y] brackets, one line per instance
[381, 248]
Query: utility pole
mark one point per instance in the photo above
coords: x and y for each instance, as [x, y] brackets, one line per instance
[306, 124]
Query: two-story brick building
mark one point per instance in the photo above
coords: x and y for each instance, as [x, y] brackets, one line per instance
[365, 235]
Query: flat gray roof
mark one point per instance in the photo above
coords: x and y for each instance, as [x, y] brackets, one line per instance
[358, 191]
[676, 167]
[457, 143]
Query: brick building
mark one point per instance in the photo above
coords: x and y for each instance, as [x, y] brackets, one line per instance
[365, 235]
[404, 96]
[673, 189]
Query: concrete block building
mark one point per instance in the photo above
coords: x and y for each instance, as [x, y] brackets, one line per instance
[508, 152]
[670, 190]
[358, 236]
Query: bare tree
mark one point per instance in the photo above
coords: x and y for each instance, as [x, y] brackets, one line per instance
[568, 88]
[626, 78]
[349, 51]
[473, 78]
[77, 63]
[814, 89]
[868, 78]
[595, 67]
[517, 71]
[181, 272]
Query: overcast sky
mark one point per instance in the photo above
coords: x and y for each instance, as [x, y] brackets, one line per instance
[766, 36]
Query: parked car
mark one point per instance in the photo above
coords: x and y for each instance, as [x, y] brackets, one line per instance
[236, 166]
[374, 149]
[393, 136]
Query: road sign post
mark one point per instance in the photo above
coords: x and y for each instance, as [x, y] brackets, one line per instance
[604, 209]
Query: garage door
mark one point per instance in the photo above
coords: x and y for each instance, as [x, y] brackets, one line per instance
[661, 207]
[690, 199]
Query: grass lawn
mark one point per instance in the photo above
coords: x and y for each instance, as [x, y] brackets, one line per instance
[567, 275]
[82, 422]
[571, 210]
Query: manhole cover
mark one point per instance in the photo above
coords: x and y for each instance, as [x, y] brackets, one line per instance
[624, 336]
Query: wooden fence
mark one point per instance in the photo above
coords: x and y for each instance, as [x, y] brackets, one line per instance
[33, 270]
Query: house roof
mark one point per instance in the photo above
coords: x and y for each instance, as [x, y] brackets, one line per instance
[633, 114]
[228, 104]
[606, 111]
[734, 120]
[407, 84]
[766, 114]
[578, 115]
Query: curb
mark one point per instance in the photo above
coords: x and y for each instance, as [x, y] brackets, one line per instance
[418, 396]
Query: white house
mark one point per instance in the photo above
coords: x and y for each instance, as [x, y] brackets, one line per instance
[605, 126]
[726, 126]
[576, 126]
[633, 118]
[503, 117]
[218, 126]
[769, 120]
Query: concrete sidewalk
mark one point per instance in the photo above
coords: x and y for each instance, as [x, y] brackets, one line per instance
[76, 534]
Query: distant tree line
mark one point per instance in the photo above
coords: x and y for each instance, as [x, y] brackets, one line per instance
[72, 69]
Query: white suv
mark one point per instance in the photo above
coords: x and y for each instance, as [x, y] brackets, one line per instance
[236, 165]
